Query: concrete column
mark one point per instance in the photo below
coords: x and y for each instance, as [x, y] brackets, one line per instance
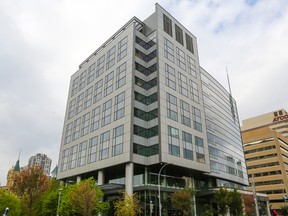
[78, 179]
[129, 178]
[100, 180]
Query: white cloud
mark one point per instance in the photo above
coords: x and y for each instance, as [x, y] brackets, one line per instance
[42, 44]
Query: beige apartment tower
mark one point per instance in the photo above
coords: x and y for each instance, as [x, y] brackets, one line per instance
[266, 153]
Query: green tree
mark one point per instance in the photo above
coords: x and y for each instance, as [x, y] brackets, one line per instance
[222, 199]
[183, 200]
[208, 210]
[11, 201]
[83, 198]
[284, 210]
[127, 205]
[29, 186]
[235, 203]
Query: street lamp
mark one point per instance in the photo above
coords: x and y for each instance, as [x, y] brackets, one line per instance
[159, 191]
[59, 196]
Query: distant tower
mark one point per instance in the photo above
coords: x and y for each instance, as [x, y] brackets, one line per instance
[42, 161]
[12, 172]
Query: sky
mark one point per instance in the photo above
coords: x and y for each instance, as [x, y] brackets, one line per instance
[43, 42]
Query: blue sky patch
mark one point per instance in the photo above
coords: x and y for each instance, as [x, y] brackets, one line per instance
[251, 2]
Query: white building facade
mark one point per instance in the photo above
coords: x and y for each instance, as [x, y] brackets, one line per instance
[142, 101]
[41, 160]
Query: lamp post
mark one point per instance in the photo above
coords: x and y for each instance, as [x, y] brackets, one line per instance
[59, 196]
[159, 190]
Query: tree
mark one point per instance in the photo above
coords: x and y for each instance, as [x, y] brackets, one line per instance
[208, 210]
[11, 201]
[83, 198]
[248, 201]
[127, 205]
[29, 186]
[235, 203]
[222, 200]
[183, 200]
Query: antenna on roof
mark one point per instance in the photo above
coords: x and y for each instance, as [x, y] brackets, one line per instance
[230, 97]
[228, 81]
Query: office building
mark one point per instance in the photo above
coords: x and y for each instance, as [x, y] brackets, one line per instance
[266, 153]
[141, 107]
[42, 161]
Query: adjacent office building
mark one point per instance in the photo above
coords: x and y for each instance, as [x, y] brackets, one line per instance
[266, 151]
[41, 160]
[142, 113]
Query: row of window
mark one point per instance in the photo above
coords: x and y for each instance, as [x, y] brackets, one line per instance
[186, 87]
[172, 112]
[102, 88]
[145, 57]
[219, 167]
[87, 151]
[180, 58]
[143, 44]
[97, 68]
[91, 121]
[216, 153]
[187, 145]
[260, 149]
[167, 25]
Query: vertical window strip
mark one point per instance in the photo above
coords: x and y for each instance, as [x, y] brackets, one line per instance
[197, 119]
[74, 86]
[107, 111]
[121, 75]
[91, 73]
[73, 157]
[82, 80]
[100, 66]
[172, 110]
[82, 153]
[167, 22]
[109, 83]
[98, 91]
[95, 120]
[119, 106]
[185, 113]
[170, 77]
[79, 104]
[187, 145]
[179, 34]
[88, 97]
[168, 50]
[92, 151]
[64, 162]
[173, 141]
[180, 55]
[194, 91]
[122, 49]
[76, 128]
[85, 124]
[191, 66]
[104, 145]
[183, 84]
[110, 60]
[118, 136]
[189, 43]
[68, 133]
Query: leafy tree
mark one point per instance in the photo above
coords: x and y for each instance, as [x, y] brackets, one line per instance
[248, 201]
[208, 210]
[222, 199]
[29, 186]
[11, 201]
[83, 198]
[284, 210]
[235, 203]
[182, 199]
[127, 205]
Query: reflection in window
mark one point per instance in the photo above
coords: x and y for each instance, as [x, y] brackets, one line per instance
[118, 136]
[173, 141]
[104, 145]
[92, 150]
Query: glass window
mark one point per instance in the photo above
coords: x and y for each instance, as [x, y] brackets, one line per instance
[100, 66]
[109, 83]
[194, 91]
[98, 91]
[64, 161]
[179, 34]
[82, 153]
[88, 97]
[107, 111]
[180, 58]
[68, 133]
[110, 60]
[85, 124]
[183, 84]
[187, 145]
[104, 145]
[145, 150]
[167, 22]
[92, 150]
[173, 141]
[144, 70]
[168, 50]
[146, 116]
[119, 106]
[189, 43]
[170, 77]
[145, 132]
[76, 128]
[145, 85]
[197, 119]
[71, 108]
[146, 100]
[82, 80]
[118, 136]
[185, 113]
[74, 86]
[121, 75]
[91, 73]
[191, 66]
[200, 154]
[172, 110]
[95, 120]
[79, 104]
[73, 157]
[122, 49]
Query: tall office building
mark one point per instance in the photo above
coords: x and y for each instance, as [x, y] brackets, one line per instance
[42, 161]
[265, 140]
[141, 108]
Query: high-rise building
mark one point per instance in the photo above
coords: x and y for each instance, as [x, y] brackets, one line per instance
[41, 160]
[142, 115]
[265, 140]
